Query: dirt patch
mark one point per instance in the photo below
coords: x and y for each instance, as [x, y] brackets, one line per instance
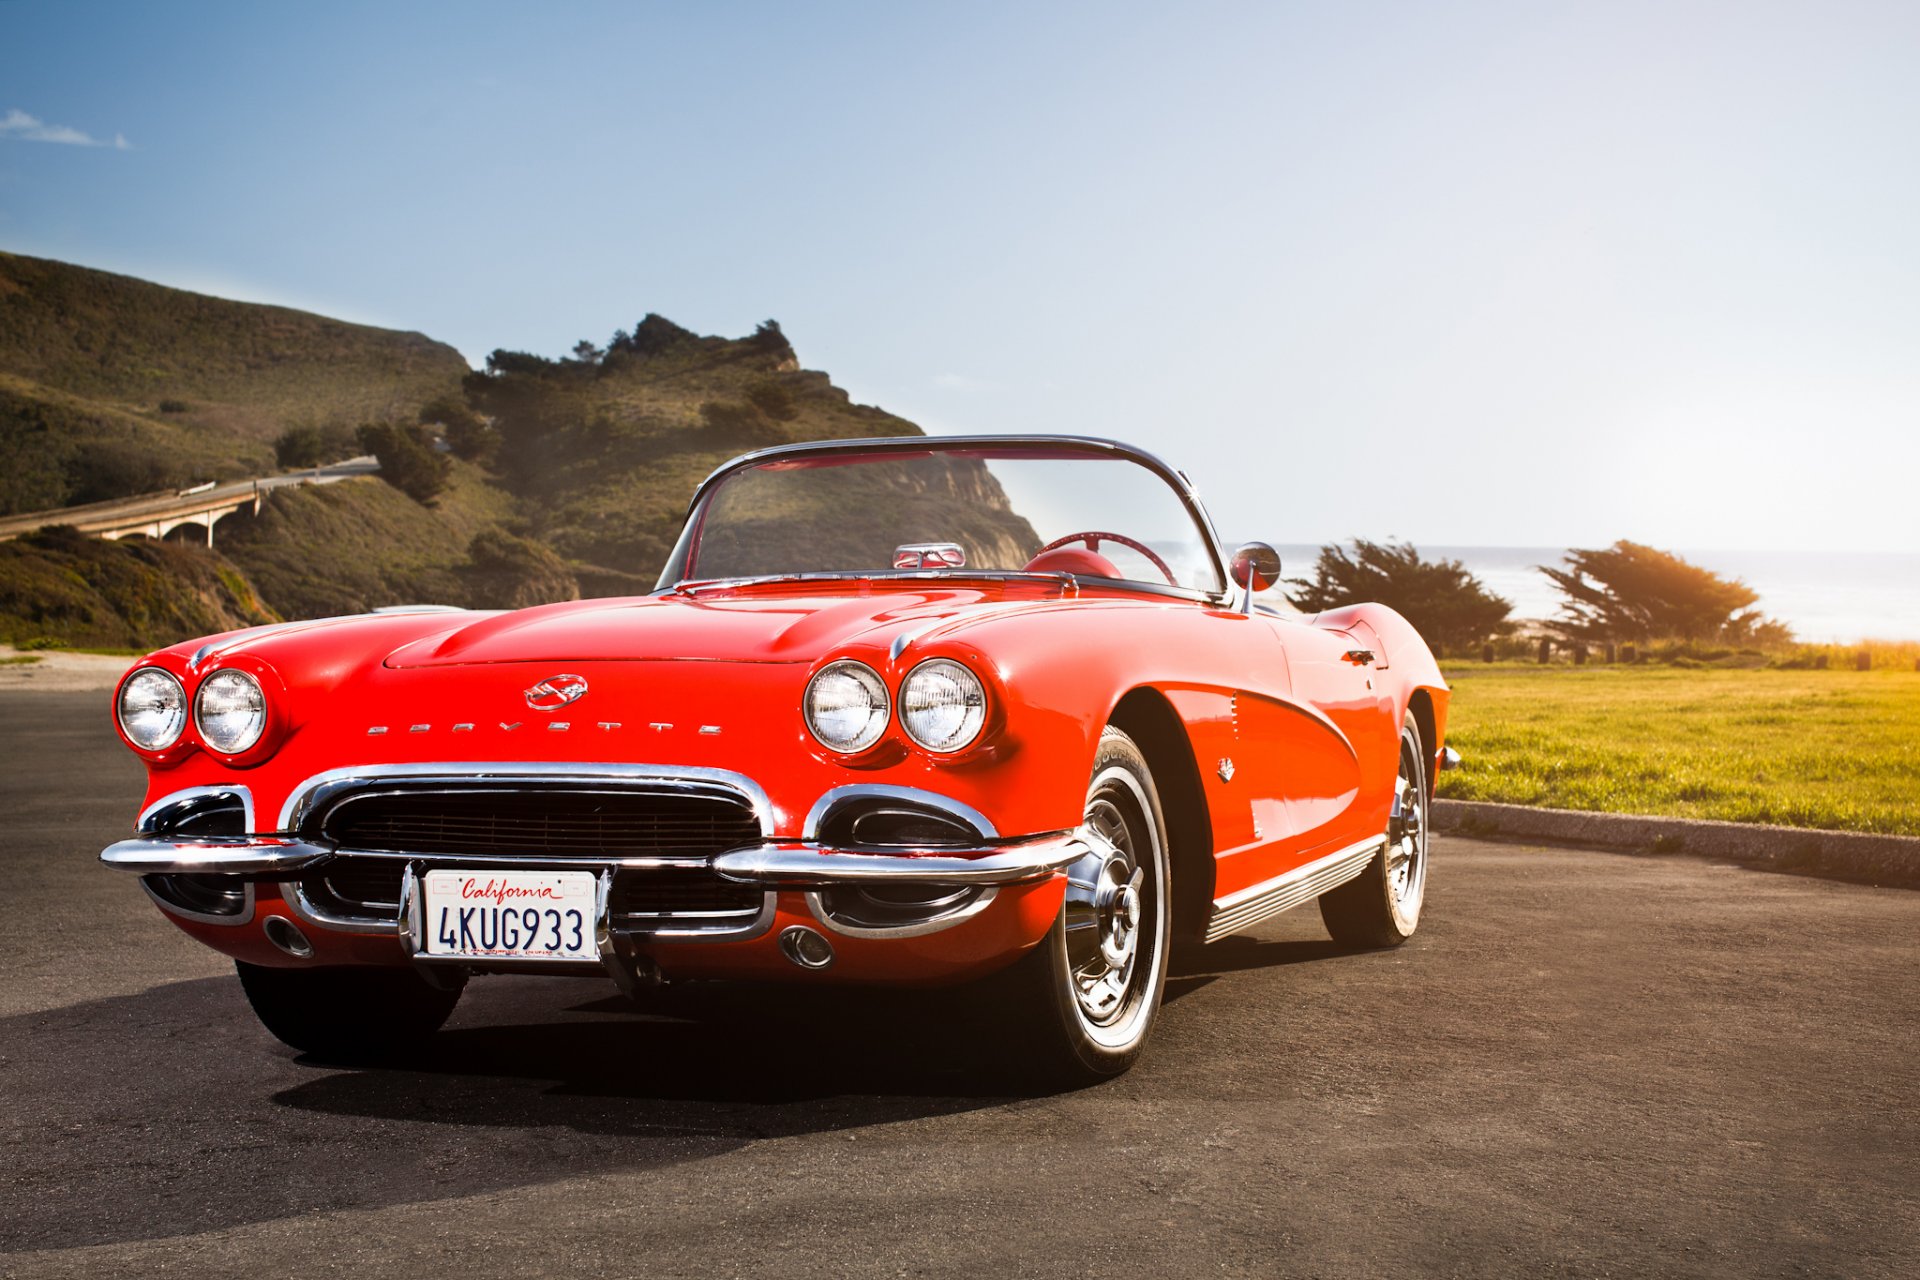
[59, 672]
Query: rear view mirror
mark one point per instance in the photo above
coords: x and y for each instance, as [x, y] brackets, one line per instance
[1256, 566]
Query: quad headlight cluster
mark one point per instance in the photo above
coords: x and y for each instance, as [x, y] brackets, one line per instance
[229, 711]
[943, 705]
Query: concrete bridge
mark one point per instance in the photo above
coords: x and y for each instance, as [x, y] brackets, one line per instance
[155, 515]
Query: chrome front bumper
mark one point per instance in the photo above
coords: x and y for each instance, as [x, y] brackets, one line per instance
[774, 864]
[247, 856]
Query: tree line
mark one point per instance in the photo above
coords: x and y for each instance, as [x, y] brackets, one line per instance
[1628, 593]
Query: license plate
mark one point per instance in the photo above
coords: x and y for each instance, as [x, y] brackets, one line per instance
[510, 915]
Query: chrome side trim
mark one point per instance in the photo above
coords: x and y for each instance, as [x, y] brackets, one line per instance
[801, 863]
[810, 829]
[1282, 893]
[304, 798]
[1449, 758]
[253, 856]
[976, 902]
[151, 817]
[245, 915]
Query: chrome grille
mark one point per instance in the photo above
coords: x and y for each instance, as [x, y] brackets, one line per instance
[529, 822]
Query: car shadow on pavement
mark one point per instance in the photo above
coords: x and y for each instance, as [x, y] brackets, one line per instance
[196, 1120]
[705, 1043]
[1240, 953]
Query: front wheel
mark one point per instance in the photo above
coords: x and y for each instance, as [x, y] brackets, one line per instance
[1381, 906]
[357, 1013]
[1084, 999]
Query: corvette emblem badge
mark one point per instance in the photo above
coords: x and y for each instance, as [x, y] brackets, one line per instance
[556, 692]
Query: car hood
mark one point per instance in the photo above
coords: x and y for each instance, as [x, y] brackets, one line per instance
[737, 626]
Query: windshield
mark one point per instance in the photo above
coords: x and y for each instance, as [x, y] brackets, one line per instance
[998, 508]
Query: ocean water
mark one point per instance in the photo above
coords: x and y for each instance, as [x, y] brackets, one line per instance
[1826, 597]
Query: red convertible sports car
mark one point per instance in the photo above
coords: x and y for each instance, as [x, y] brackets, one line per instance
[991, 711]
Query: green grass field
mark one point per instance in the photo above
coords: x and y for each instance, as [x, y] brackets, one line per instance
[1833, 749]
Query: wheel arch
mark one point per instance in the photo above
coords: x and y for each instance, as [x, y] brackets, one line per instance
[1420, 707]
[1146, 716]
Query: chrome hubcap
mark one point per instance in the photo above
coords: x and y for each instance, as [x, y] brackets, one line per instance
[1407, 836]
[1104, 914]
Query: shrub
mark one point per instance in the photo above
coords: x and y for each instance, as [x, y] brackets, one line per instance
[312, 445]
[408, 460]
[471, 437]
[116, 468]
[773, 399]
[175, 406]
[508, 572]
[768, 340]
[651, 336]
[1448, 606]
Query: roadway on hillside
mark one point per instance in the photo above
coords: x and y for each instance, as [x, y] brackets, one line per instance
[1585, 1064]
[140, 508]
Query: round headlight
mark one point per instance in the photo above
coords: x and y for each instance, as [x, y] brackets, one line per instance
[942, 705]
[230, 712]
[153, 709]
[846, 706]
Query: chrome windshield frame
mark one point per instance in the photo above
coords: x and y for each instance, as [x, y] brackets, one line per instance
[1092, 446]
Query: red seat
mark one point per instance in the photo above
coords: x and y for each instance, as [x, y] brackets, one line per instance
[1076, 560]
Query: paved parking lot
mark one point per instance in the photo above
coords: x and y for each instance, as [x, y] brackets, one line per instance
[1585, 1064]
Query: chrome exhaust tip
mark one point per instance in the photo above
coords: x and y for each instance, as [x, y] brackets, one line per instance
[285, 934]
[806, 948]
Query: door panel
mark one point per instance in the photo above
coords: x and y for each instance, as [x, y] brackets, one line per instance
[1342, 691]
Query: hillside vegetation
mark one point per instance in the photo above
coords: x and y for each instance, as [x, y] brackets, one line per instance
[350, 547]
[86, 592]
[534, 479]
[111, 386]
[606, 448]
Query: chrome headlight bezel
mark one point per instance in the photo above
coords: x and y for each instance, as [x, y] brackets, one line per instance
[963, 689]
[831, 679]
[246, 689]
[149, 677]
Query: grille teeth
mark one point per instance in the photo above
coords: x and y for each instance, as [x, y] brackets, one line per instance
[540, 824]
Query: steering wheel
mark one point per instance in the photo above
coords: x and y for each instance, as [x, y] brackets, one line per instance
[1093, 540]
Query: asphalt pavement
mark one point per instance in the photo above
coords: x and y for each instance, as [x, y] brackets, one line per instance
[1584, 1064]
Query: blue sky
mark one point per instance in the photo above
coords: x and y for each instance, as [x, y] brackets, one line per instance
[1467, 274]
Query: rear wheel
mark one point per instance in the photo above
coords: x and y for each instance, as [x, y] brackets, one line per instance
[1084, 999]
[1381, 906]
[347, 1013]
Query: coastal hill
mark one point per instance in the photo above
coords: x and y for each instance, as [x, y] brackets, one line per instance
[111, 385]
[530, 480]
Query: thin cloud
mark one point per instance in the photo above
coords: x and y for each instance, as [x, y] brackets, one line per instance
[18, 125]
